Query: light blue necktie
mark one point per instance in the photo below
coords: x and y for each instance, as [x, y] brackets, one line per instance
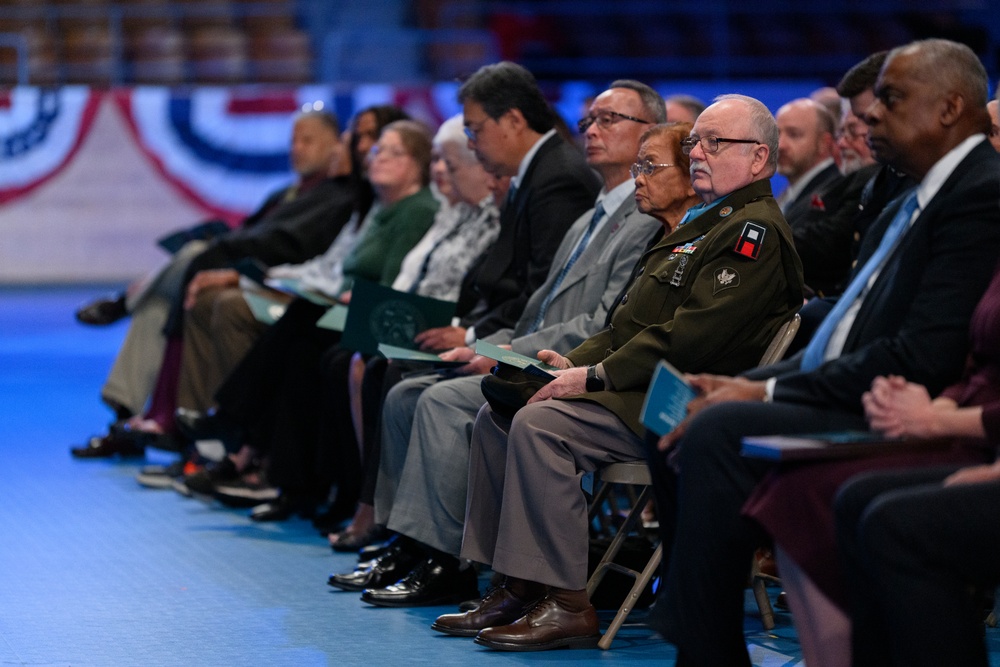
[580, 247]
[816, 350]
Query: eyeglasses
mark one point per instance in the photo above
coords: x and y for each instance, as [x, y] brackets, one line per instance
[710, 144]
[471, 130]
[386, 152]
[606, 119]
[646, 168]
[853, 130]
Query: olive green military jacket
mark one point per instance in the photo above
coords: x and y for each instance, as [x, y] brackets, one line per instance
[708, 298]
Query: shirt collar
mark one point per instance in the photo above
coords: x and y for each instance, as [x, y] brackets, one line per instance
[795, 190]
[528, 157]
[616, 196]
[942, 169]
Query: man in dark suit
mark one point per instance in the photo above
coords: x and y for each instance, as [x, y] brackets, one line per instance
[710, 293]
[511, 129]
[906, 312]
[805, 158]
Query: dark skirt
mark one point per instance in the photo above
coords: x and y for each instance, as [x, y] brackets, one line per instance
[794, 504]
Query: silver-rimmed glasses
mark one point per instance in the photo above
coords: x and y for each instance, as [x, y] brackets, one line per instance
[646, 168]
[710, 144]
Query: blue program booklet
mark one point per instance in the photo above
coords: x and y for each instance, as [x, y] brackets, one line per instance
[833, 445]
[666, 399]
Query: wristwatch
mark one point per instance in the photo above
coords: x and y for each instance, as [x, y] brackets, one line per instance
[594, 382]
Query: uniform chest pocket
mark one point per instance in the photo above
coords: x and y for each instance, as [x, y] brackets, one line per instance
[657, 294]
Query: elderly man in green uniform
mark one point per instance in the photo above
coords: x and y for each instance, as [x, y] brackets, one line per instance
[710, 294]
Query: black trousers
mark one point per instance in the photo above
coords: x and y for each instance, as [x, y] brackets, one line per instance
[276, 395]
[701, 604]
[916, 553]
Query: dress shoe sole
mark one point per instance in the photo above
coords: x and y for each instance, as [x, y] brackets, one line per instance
[438, 601]
[342, 586]
[454, 632]
[564, 642]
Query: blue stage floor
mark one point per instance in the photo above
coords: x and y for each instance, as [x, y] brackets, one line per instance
[97, 571]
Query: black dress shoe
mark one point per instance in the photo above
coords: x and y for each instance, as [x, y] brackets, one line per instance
[386, 570]
[373, 551]
[279, 509]
[348, 542]
[103, 311]
[333, 518]
[433, 582]
[202, 426]
[106, 447]
[142, 439]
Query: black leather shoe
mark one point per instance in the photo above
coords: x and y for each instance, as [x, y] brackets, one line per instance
[283, 507]
[433, 582]
[349, 541]
[201, 426]
[386, 570]
[106, 447]
[103, 311]
[373, 551]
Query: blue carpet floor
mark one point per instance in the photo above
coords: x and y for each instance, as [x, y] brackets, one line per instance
[97, 571]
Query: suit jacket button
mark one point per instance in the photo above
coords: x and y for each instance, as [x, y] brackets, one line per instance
[625, 299]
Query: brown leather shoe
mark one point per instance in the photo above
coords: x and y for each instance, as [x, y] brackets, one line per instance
[546, 626]
[499, 607]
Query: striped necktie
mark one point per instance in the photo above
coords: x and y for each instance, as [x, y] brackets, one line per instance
[580, 247]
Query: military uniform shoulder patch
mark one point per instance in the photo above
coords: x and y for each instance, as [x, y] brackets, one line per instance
[751, 240]
[725, 278]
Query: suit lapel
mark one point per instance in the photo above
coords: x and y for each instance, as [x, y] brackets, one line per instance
[597, 245]
[926, 216]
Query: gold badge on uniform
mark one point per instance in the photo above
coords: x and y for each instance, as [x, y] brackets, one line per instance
[725, 210]
[725, 278]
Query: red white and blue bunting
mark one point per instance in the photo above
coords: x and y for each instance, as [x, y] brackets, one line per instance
[40, 131]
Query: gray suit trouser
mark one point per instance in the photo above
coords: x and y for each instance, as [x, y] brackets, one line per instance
[133, 375]
[527, 513]
[429, 499]
[398, 411]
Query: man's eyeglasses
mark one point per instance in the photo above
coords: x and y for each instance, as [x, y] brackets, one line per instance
[710, 144]
[473, 129]
[853, 130]
[646, 168]
[606, 119]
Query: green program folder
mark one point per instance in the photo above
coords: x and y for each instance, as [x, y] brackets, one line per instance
[380, 314]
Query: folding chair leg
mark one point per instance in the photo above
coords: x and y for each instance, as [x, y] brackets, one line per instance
[763, 603]
[633, 596]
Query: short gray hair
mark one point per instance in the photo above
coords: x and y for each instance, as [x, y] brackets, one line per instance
[762, 124]
[651, 100]
[452, 132]
[951, 67]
